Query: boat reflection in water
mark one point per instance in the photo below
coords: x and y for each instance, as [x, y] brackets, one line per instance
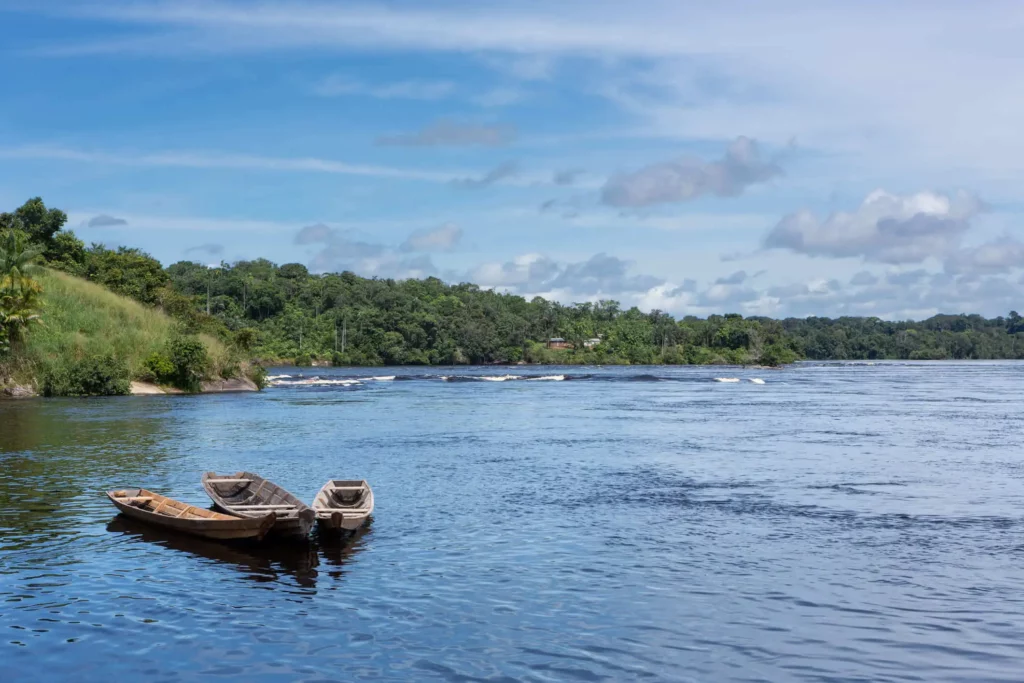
[263, 562]
[337, 550]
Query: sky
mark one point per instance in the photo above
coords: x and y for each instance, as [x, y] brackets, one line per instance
[790, 158]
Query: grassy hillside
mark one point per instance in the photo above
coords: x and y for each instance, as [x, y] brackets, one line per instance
[84, 320]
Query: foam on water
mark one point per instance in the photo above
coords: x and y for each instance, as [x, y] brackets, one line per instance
[756, 380]
[316, 382]
[730, 380]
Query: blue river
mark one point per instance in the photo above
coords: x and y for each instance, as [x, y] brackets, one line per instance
[825, 522]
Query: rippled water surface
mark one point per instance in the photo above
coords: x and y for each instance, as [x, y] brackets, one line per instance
[836, 523]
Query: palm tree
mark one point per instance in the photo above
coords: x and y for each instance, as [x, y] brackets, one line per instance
[19, 292]
[18, 263]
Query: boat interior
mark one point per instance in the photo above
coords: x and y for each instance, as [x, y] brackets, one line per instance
[161, 505]
[241, 491]
[341, 493]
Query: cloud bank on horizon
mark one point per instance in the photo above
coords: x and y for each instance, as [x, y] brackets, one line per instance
[791, 158]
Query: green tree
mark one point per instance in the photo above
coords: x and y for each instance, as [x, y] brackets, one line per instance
[19, 291]
[130, 272]
[35, 220]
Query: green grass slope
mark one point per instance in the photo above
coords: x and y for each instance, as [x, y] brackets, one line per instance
[83, 319]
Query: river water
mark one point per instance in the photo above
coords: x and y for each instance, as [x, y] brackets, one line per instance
[838, 522]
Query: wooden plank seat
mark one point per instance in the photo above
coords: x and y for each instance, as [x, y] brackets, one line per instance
[253, 506]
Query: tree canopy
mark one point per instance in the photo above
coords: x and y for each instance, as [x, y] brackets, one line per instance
[284, 311]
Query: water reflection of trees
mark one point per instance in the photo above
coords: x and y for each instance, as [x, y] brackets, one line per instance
[266, 562]
[57, 456]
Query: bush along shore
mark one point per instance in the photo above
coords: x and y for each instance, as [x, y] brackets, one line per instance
[77, 320]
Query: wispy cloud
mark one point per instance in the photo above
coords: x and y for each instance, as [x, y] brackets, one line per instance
[536, 273]
[339, 249]
[338, 85]
[453, 134]
[800, 81]
[209, 249]
[500, 97]
[567, 176]
[226, 160]
[496, 174]
[442, 238]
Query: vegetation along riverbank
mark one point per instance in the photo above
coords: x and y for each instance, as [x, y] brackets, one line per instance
[77, 321]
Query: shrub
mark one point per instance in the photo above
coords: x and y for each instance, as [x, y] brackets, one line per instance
[5, 339]
[245, 339]
[258, 374]
[303, 360]
[230, 370]
[511, 354]
[158, 368]
[776, 355]
[103, 375]
[188, 355]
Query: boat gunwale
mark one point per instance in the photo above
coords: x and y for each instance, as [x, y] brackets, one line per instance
[218, 525]
[292, 519]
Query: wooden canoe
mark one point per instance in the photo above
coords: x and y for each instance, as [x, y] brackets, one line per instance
[159, 510]
[343, 505]
[250, 495]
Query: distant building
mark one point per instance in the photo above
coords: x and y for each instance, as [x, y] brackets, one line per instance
[591, 343]
[558, 343]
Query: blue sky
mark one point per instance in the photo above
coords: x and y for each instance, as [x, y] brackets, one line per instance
[786, 158]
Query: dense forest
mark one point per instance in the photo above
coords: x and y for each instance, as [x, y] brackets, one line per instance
[286, 313]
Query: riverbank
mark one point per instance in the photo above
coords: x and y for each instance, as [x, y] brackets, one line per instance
[137, 388]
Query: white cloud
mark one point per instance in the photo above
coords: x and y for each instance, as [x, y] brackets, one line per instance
[535, 274]
[886, 228]
[679, 181]
[999, 256]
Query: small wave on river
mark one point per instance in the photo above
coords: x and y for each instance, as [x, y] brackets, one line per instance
[345, 378]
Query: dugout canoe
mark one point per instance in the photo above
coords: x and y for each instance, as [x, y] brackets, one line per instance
[249, 495]
[343, 505]
[158, 510]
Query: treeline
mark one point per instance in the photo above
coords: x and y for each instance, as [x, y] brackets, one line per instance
[941, 337]
[285, 313]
